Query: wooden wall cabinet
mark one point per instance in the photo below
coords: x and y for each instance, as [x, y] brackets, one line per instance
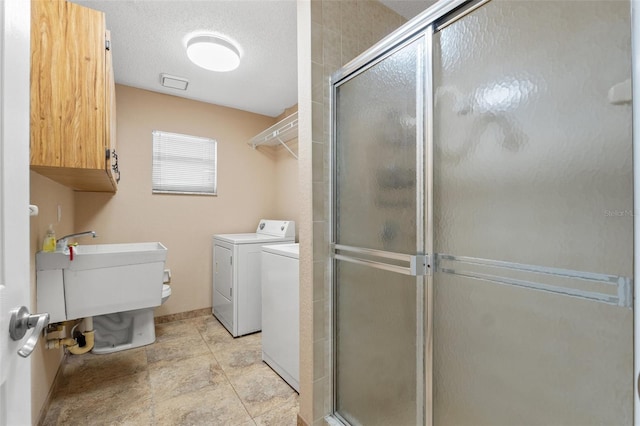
[72, 96]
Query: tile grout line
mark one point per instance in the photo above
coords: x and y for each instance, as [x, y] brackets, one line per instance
[227, 377]
[273, 409]
[152, 414]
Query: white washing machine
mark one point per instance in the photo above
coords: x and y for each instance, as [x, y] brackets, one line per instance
[237, 295]
[280, 311]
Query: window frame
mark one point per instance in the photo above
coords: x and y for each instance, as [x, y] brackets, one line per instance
[156, 186]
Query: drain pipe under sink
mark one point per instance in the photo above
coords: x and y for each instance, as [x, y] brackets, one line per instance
[71, 344]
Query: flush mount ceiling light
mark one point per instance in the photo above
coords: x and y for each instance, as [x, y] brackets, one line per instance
[213, 53]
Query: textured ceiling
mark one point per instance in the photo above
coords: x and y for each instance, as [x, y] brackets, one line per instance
[149, 38]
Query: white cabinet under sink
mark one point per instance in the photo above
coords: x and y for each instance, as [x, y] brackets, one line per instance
[100, 279]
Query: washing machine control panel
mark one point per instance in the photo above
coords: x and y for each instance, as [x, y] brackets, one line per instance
[278, 228]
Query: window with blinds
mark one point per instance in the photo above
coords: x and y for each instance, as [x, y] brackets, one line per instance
[183, 164]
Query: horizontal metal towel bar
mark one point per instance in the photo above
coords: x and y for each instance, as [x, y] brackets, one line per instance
[373, 264]
[416, 264]
[621, 294]
[616, 290]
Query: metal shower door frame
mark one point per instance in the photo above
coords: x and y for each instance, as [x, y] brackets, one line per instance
[417, 265]
[635, 106]
[426, 24]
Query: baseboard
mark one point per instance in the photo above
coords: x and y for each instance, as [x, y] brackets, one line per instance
[327, 421]
[47, 402]
[300, 421]
[182, 316]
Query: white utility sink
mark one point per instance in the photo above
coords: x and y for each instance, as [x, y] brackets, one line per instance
[96, 256]
[100, 279]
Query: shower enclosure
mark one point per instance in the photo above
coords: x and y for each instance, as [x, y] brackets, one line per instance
[483, 219]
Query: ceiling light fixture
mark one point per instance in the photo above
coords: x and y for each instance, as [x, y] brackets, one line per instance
[213, 53]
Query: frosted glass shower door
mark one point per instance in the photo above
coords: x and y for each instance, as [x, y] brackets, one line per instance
[378, 226]
[533, 211]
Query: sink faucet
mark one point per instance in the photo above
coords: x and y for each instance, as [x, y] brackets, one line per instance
[61, 243]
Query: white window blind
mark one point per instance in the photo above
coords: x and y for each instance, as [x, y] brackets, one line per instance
[183, 164]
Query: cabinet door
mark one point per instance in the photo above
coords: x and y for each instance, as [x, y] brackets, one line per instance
[68, 94]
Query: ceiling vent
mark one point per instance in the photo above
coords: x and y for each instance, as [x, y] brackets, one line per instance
[174, 82]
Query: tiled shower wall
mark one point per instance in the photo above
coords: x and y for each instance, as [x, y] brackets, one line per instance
[340, 31]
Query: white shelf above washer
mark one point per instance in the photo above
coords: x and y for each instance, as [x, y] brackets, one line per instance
[280, 133]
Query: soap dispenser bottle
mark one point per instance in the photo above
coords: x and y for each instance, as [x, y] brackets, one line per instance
[49, 244]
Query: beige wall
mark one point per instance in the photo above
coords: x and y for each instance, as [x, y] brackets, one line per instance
[47, 195]
[184, 223]
[287, 199]
[286, 184]
[305, 221]
[340, 30]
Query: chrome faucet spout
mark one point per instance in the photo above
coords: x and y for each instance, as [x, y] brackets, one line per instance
[79, 234]
[61, 243]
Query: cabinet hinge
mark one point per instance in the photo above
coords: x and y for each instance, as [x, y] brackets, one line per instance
[107, 44]
[107, 153]
[231, 292]
[231, 260]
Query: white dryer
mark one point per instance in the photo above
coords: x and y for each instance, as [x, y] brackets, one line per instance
[237, 293]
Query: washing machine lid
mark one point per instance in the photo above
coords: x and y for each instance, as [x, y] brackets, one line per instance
[251, 238]
[288, 250]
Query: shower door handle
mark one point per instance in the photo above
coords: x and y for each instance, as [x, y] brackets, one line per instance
[416, 264]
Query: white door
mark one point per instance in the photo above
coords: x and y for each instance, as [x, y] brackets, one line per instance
[15, 371]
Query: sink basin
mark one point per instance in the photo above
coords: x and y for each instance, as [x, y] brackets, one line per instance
[101, 279]
[102, 256]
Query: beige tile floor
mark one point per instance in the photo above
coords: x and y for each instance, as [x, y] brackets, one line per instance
[194, 374]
